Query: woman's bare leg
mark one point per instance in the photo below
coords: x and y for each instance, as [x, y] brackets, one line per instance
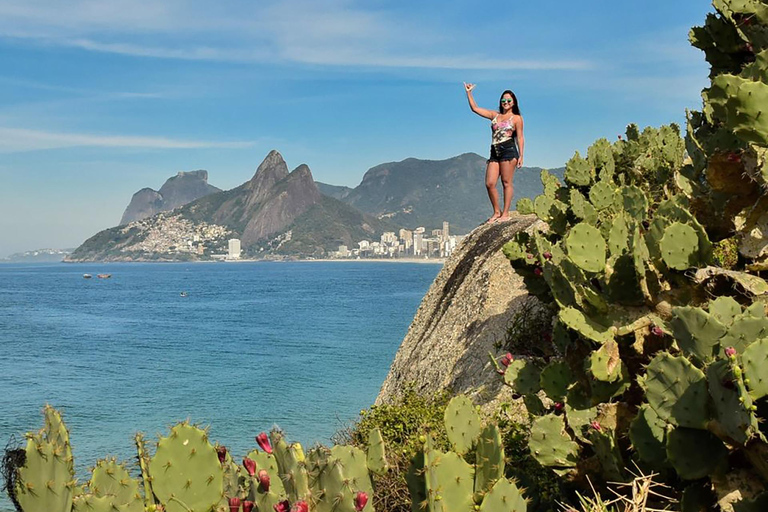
[507, 175]
[491, 177]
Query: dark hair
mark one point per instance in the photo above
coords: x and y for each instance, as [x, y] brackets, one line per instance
[515, 106]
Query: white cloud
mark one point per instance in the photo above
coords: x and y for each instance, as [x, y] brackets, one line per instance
[331, 33]
[19, 139]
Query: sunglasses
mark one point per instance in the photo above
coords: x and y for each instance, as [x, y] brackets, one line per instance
[507, 101]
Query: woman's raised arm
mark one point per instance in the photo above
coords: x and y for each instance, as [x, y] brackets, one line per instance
[482, 112]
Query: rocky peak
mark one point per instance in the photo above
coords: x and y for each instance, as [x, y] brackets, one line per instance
[269, 172]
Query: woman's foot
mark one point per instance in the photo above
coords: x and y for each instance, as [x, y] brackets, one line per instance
[493, 218]
[503, 218]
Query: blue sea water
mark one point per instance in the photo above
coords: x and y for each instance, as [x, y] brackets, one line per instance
[301, 345]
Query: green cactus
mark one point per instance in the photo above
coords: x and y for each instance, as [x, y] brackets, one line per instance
[578, 171]
[755, 359]
[555, 379]
[680, 246]
[586, 247]
[46, 481]
[732, 402]
[582, 208]
[744, 329]
[551, 445]
[504, 496]
[695, 453]
[605, 363]
[523, 376]
[608, 453]
[648, 436]
[587, 327]
[524, 206]
[724, 310]
[450, 482]
[489, 461]
[377, 454]
[677, 391]
[462, 423]
[697, 332]
[186, 474]
[601, 194]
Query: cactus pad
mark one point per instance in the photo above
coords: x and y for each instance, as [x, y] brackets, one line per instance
[755, 359]
[647, 434]
[733, 405]
[743, 331]
[450, 482]
[605, 363]
[586, 247]
[523, 376]
[524, 206]
[186, 473]
[584, 325]
[489, 460]
[111, 478]
[555, 379]
[377, 453]
[695, 453]
[680, 246]
[504, 496]
[46, 481]
[724, 309]
[462, 423]
[697, 332]
[578, 171]
[677, 391]
[601, 194]
[550, 444]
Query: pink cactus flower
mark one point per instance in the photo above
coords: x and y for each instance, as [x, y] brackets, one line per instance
[507, 359]
[596, 425]
[247, 506]
[234, 504]
[361, 499]
[730, 352]
[250, 466]
[264, 480]
[283, 506]
[263, 441]
[300, 506]
[221, 451]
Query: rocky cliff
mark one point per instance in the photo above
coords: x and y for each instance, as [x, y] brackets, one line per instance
[177, 191]
[466, 311]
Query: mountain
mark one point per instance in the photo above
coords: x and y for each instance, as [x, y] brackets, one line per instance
[334, 191]
[425, 193]
[176, 191]
[37, 256]
[275, 212]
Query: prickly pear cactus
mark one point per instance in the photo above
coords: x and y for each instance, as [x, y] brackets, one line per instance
[186, 474]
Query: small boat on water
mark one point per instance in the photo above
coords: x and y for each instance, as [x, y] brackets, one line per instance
[87, 276]
[104, 276]
[183, 294]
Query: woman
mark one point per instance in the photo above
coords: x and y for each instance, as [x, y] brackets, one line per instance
[506, 126]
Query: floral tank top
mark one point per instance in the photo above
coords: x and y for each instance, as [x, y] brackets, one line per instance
[502, 131]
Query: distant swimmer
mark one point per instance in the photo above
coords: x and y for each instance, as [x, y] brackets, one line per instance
[506, 156]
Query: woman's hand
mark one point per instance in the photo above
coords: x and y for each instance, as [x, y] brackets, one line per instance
[519, 162]
[468, 87]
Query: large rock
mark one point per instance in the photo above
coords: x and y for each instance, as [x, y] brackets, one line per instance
[466, 310]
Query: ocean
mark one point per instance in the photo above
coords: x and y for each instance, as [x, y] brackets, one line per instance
[246, 346]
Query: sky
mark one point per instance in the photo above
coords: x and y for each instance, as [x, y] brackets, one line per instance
[100, 98]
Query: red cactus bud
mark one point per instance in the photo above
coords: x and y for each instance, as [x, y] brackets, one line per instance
[547, 255]
[300, 506]
[250, 466]
[234, 504]
[247, 506]
[283, 506]
[730, 352]
[596, 425]
[500, 371]
[558, 406]
[507, 359]
[221, 451]
[263, 441]
[537, 271]
[264, 480]
[361, 499]
[656, 331]
[620, 137]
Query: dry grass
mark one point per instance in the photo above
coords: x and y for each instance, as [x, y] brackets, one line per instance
[633, 496]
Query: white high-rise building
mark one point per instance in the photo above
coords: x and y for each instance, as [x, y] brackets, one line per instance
[234, 249]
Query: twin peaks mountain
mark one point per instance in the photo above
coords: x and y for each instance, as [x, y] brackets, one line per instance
[275, 212]
[278, 212]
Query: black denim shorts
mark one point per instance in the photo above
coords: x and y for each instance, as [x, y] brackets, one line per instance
[504, 152]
